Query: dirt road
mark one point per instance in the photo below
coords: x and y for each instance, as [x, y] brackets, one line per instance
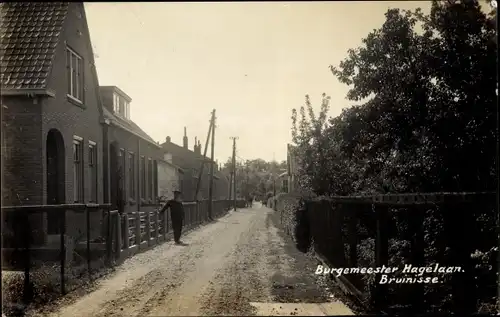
[238, 265]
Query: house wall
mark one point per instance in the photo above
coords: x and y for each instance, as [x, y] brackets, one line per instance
[132, 143]
[221, 188]
[29, 121]
[168, 180]
[71, 118]
[107, 97]
[22, 173]
[190, 162]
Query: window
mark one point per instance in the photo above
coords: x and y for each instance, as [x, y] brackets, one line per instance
[123, 170]
[131, 173]
[93, 171]
[74, 75]
[121, 107]
[127, 110]
[150, 179]
[143, 177]
[285, 185]
[155, 179]
[77, 170]
[116, 103]
[124, 109]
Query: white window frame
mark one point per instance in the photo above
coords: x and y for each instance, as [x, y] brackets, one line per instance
[79, 89]
[93, 165]
[127, 110]
[78, 184]
[116, 103]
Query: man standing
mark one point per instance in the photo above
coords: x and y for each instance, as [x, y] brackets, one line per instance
[177, 215]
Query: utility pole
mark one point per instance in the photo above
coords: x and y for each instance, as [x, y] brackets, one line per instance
[234, 171]
[231, 184]
[203, 159]
[211, 186]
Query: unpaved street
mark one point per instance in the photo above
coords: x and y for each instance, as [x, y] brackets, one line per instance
[238, 265]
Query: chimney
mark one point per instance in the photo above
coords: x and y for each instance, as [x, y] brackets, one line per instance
[199, 147]
[167, 139]
[185, 139]
[195, 145]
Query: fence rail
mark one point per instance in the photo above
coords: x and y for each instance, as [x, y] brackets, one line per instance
[394, 231]
[90, 236]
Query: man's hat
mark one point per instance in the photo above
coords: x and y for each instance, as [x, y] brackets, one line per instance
[177, 192]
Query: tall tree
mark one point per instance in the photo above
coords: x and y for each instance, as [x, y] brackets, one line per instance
[426, 88]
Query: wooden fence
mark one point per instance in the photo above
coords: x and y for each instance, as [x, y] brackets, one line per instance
[143, 229]
[116, 237]
[18, 249]
[342, 230]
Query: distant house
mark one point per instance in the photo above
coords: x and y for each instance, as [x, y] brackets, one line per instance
[131, 154]
[190, 162]
[284, 187]
[170, 177]
[52, 137]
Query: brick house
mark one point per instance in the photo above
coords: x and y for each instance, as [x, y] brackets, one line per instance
[190, 162]
[131, 154]
[52, 137]
[65, 139]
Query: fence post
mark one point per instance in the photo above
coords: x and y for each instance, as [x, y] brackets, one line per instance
[109, 237]
[165, 224]
[458, 217]
[148, 226]
[62, 220]
[138, 236]
[353, 237]
[87, 214]
[26, 234]
[381, 254]
[198, 220]
[157, 225]
[416, 217]
[118, 236]
[126, 241]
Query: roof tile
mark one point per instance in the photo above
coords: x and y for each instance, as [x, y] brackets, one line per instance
[29, 33]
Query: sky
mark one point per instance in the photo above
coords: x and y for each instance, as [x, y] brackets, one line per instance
[251, 61]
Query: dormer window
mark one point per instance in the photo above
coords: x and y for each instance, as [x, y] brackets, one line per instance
[116, 103]
[127, 110]
[121, 107]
